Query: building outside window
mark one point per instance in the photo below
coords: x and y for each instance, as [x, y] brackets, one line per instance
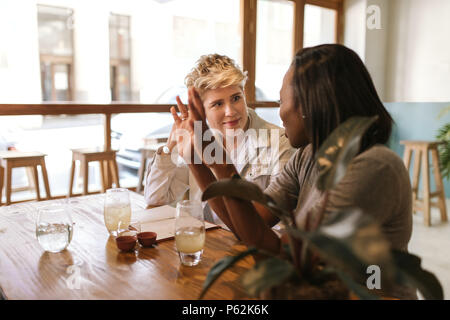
[119, 51]
[55, 29]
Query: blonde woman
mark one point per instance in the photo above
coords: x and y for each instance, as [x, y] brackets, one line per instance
[258, 149]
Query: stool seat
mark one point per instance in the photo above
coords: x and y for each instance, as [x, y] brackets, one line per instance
[421, 151]
[17, 159]
[93, 151]
[429, 144]
[107, 160]
[20, 154]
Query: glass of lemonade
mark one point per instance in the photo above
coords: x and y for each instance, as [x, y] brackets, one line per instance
[54, 227]
[117, 210]
[189, 231]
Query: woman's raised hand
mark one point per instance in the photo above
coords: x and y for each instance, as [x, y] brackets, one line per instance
[188, 140]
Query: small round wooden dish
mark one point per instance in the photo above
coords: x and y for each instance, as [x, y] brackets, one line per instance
[146, 239]
[126, 243]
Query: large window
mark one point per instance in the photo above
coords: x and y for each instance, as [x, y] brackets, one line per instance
[274, 46]
[320, 26]
[56, 52]
[119, 51]
[185, 31]
[282, 28]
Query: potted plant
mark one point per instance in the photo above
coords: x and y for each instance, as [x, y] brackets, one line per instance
[444, 149]
[324, 259]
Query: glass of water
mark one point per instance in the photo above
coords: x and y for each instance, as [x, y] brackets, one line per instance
[189, 231]
[117, 210]
[54, 227]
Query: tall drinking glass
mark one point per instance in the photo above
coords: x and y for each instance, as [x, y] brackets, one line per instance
[54, 227]
[189, 231]
[117, 210]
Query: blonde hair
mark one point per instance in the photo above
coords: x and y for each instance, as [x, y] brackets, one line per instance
[215, 71]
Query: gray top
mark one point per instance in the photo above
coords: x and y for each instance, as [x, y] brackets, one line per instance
[376, 181]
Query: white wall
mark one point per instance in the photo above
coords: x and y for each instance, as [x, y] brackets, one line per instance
[409, 57]
[376, 46]
[418, 68]
[19, 54]
[355, 26]
[91, 55]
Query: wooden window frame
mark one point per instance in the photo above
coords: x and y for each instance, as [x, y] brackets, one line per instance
[248, 29]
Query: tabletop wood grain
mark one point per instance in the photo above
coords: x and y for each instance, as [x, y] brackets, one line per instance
[93, 268]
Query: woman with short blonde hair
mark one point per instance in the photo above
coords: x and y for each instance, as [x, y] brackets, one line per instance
[220, 82]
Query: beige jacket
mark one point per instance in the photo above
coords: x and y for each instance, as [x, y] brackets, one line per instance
[259, 159]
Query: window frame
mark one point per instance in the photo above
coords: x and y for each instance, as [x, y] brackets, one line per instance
[248, 29]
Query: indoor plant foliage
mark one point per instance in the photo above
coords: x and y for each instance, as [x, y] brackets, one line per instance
[444, 149]
[327, 258]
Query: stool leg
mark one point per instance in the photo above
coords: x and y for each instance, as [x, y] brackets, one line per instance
[72, 176]
[45, 178]
[141, 172]
[439, 184]
[416, 175]
[102, 175]
[30, 178]
[426, 187]
[107, 174]
[8, 171]
[407, 157]
[115, 172]
[2, 175]
[85, 176]
[36, 182]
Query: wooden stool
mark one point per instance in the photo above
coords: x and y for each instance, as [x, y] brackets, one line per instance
[146, 153]
[421, 149]
[107, 159]
[17, 159]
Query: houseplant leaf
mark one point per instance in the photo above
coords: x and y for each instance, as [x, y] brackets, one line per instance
[410, 271]
[350, 241]
[267, 274]
[338, 150]
[220, 267]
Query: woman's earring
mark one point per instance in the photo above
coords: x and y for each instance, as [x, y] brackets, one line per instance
[304, 117]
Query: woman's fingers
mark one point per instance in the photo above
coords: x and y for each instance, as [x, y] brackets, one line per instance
[182, 108]
[196, 104]
[175, 116]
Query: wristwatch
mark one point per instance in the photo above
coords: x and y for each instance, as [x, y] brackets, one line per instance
[163, 150]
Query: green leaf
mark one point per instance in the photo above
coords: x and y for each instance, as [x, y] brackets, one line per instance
[220, 267]
[410, 271]
[443, 112]
[267, 274]
[338, 150]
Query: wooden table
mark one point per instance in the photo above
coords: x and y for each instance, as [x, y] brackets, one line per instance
[27, 272]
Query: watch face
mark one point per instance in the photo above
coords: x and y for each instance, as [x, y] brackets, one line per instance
[166, 149]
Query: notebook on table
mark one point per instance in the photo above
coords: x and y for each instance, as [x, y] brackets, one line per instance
[162, 221]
